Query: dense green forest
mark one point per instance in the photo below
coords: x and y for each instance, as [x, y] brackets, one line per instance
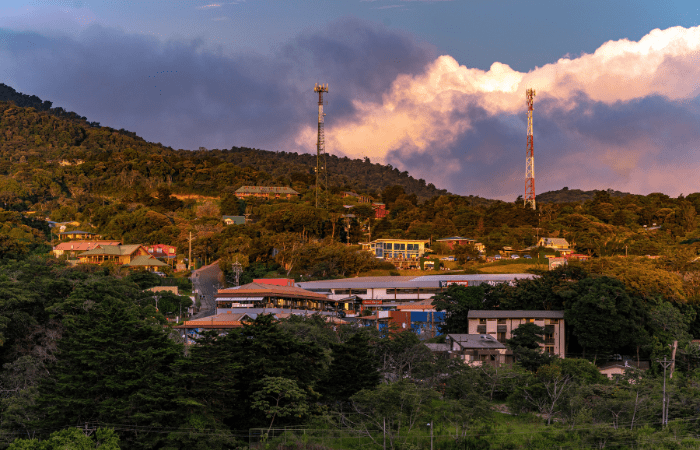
[81, 348]
[85, 347]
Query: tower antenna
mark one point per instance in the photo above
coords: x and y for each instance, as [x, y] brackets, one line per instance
[530, 158]
[321, 172]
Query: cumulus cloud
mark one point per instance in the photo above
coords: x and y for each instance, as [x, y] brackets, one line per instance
[624, 116]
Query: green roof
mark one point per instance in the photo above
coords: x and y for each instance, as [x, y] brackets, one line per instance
[146, 260]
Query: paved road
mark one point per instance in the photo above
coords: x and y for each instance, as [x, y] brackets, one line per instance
[205, 281]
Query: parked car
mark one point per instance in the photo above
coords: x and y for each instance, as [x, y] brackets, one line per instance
[514, 256]
[448, 258]
[527, 257]
[497, 257]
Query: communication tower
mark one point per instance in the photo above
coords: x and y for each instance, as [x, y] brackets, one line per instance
[530, 159]
[321, 172]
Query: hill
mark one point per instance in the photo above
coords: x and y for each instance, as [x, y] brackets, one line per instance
[88, 142]
[566, 195]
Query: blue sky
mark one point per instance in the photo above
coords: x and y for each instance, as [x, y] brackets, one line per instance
[432, 87]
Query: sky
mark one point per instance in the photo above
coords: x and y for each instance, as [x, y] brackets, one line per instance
[436, 88]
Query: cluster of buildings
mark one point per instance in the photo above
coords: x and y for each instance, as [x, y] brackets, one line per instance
[89, 249]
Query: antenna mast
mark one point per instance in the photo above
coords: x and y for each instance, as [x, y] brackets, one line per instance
[321, 172]
[530, 159]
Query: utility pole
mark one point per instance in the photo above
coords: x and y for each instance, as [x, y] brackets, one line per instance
[189, 257]
[664, 401]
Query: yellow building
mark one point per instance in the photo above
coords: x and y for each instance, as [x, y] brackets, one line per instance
[398, 249]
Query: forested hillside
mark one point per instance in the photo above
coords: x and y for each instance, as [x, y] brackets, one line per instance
[84, 139]
[566, 195]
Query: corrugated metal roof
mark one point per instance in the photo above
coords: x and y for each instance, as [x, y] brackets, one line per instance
[514, 314]
[477, 277]
[482, 341]
[146, 260]
[266, 290]
[426, 281]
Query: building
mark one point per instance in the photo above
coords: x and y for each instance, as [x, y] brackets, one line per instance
[73, 248]
[500, 325]
[162, 251]
[380, 210]
[478, 349]
[389, 292]
[398, 250]
[265, 295]
[452, 242]
[269, 192]
[558, 244]
[82, 235]
[233, 220]
[222, 323]
[123, 255]
[358, 197]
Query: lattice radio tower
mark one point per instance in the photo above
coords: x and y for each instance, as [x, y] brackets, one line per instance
[321, 172]
[530, 159]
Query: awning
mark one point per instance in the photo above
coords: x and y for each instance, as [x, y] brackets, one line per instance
[240, 299]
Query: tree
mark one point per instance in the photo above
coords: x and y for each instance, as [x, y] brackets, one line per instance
[280, 397]
[115, 365]
[72, 438]
[354, 367]
[457, 301]
[525, 345]
[602, 315]
[465, 252]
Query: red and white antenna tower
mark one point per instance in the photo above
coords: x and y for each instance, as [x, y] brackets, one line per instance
[321, 173]
[530, 159]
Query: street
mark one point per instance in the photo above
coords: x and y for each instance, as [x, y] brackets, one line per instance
[205, 282]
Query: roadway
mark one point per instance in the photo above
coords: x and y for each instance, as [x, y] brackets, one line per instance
[205, 283]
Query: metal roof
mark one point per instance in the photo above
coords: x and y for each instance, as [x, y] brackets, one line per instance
[266, 190]
[514, 314]
[483, 341]
[427, 281]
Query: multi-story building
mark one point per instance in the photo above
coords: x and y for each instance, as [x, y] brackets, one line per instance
[397, 249]
[500, 325]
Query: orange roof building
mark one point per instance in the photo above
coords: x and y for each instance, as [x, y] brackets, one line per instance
[263, 295]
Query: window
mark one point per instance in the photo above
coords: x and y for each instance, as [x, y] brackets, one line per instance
[549, 349]
[501, 321]
[529, 320]
[501, 337]
[491, 320]
[552, 321]
[341, 291]
[481, 329]
[412, 247]
[358, 291]
[482, 321]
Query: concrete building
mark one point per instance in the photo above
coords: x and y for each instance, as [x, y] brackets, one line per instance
[500, 325]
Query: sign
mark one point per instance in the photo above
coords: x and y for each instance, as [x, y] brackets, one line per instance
[556, 262]
[371, 302]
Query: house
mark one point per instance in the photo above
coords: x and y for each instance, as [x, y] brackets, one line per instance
[453, 241]
[269, 192]
[162, 251]
[358, 197]
[380, 210]
[478, 349]
[123, 255]
[500, 325]
[422, 322]
[233, 220]
[84, 235]
[397, 249]
[558, 244]
[73, 248]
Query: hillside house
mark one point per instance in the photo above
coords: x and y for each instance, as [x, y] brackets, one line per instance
[123, 255]
[72, 248]
[380, 210]
[267, 192]
[560, 245]
[453, 241]
[82, 235]
[478, 349]
[162, 251]
[500, 325]
[360, 198]
[233, 220]
[402, 252]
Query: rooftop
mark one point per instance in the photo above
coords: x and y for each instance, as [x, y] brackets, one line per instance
[484, 341]
[514, 314]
